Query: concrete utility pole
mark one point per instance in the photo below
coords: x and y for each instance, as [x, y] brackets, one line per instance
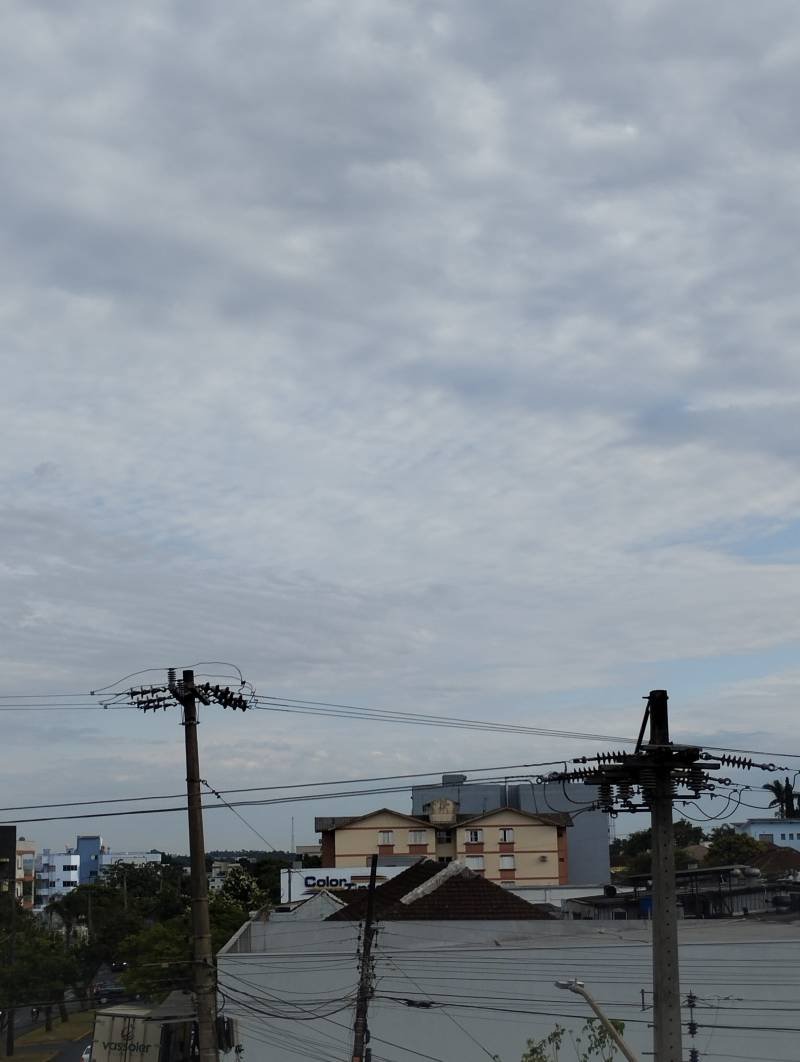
[361, 1053]
[666, 970]
[203, 967]
[655, 771]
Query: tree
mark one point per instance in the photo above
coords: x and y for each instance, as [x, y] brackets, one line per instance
[44, 966]
[591, 1042]
[727, 846]
[784, 798]
[242, 888]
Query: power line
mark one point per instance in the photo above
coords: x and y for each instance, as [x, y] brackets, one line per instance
[301, 785]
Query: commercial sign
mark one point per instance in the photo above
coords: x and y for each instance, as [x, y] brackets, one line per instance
[305, 881]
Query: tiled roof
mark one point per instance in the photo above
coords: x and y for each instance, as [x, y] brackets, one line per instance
[462, 895]
[389, 893]
[778, 860]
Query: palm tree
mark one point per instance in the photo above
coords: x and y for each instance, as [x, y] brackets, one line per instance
[783, 798]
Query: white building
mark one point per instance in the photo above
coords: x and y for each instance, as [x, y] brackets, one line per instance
[783, 832]
[468, 988]
[56, 874]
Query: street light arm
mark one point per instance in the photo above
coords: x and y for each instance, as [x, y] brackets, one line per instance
[580, 989]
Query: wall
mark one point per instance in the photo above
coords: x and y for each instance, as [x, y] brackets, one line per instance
[533, 850]
[784, 832]
[355, 844]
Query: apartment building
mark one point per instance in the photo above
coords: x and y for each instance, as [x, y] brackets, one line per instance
[25, 872]
[505, 845]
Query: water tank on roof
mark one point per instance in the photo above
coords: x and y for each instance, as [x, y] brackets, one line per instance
[453, 779]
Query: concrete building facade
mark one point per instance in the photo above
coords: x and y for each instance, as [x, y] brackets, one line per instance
[505, 845]
[782, 832]
[26, 872]
[587, 857]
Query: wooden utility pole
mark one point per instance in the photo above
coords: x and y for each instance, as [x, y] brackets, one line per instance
[8, 855]
[361, 1033]
[203, 967]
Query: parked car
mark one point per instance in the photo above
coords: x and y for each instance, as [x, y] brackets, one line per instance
[87, 1054]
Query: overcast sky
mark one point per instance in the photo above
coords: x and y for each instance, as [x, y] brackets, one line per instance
[433, 355]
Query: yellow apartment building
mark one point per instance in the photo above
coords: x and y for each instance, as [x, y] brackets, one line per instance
[503, 845]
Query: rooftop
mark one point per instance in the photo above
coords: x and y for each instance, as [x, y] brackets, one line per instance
[428, 891]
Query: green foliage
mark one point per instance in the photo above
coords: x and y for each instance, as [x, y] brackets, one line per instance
[242, 888]
[633, 854]
[44, 966]
[784, 798]
[547, 1049]
[727, 846]
[592, 1042]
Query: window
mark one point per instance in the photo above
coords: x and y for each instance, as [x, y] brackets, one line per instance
[417, 836]
[385, 836]
[475, 862]
[444, 836]
[68, 867]
[507, 862]
[783, 836]
[474, 836]
[506, 834]
[791, 836]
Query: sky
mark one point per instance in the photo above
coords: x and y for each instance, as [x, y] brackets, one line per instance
[435, 356]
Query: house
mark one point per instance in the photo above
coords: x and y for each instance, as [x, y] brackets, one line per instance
[505, 845]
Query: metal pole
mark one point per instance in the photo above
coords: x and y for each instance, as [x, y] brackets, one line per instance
[667, 1038]
[581, 990]
[203, 966]
[365, 980]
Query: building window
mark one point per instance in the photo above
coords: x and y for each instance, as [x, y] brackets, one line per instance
[791, 836]
[417, 836]
[385, 836]
[444, 836]
[507, 862]
[474, 836]
[475, 862]
[69, 868]
[506, 835]
[769, 837]
[783, 836]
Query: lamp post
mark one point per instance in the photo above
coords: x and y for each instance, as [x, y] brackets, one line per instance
[580, 989]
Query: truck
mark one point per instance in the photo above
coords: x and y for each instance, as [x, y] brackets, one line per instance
[125, 1033]
[167, 1032]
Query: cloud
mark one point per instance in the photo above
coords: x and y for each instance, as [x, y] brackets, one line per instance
[431, 356]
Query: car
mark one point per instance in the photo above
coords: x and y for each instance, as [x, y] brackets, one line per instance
[105, 993]
[87, 1054]
[118, 967]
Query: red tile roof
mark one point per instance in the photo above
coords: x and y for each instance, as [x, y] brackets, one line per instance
[462, 895]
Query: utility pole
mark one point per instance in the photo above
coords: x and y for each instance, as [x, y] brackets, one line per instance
[8, 855]
[654, 772]
[203, 966]
[666, 970]
[361, 1053]
[186, 693]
